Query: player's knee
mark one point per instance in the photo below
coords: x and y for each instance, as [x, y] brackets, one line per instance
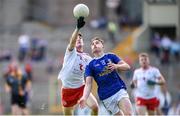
[128, 112]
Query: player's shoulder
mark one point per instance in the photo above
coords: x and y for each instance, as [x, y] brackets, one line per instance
[110, 54]
[86, 54]
[137, 70]
[153, 68]
[91, 63]
[92, 60]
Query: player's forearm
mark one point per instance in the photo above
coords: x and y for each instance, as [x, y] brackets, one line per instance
[161, 82]
[87, 89]
[28, 86]
[73, 38]
[7, 88]
[123, 67]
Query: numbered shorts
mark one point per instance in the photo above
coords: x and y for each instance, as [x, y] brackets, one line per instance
[70, 97]
[111, 103]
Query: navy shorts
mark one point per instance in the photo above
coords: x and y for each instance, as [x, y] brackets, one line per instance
[19, 100]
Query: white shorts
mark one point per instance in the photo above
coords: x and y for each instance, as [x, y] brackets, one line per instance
[111, 103]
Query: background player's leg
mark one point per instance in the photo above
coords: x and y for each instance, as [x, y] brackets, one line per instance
[92, 103]
[68, 110]
[151, 112]
[25, 111]
[15, 109]
[141, 110]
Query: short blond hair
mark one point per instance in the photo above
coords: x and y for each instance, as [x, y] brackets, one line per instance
[97, 38]
[143, 54]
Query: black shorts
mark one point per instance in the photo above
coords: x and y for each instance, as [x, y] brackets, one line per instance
[19, 100]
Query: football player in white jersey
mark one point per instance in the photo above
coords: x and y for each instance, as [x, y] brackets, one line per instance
[145, 79]
[71, 75]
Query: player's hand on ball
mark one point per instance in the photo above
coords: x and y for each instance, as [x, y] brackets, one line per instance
[150, 82]
[80, 22]
[82, 103]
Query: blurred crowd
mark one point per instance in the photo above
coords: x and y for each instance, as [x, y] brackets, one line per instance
[31, 48]
[18, 72]
[165, 48]
[18, 84]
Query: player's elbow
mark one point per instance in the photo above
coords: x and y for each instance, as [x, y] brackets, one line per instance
[128, 67]
[163, 82]
[88, 81]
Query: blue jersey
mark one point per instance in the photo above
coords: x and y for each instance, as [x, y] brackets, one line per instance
[109, 82]
[15, 83]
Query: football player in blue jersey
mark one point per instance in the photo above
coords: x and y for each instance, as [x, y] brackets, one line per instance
[111, 89]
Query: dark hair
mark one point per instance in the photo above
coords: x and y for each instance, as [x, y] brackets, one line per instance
[97, 38]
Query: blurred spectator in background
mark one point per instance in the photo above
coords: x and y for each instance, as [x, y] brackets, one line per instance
[156, 44]
[50, 66]
[34, 49]
[119, 9]
[42, 46]
[38, 48]
[18, 85]
[112, 29]
[28, 72]
[175, 108]
[165, 100]
[100, 23]
[165, 46]
[175, 49]
[24, 46]
[5, 55]
[124, 20]
[7, 71]
[28, 69]
[1, 106]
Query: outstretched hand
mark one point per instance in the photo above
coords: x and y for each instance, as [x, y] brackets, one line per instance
[80, 22]
[82, 103]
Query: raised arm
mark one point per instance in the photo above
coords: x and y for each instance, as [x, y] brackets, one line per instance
[72, 42]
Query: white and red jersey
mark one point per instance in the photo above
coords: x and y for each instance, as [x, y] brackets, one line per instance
[72, 72]
[141, 75]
